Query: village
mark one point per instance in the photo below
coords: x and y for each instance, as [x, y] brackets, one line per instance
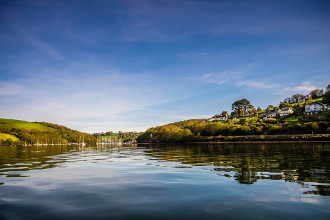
[291, 109]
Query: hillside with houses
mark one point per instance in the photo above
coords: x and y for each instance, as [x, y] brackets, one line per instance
[291, 109]
[300, 117]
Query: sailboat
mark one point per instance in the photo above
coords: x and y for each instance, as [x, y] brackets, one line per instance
[82, 143]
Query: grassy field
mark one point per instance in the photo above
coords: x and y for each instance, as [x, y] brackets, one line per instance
[322, 116]
[292, 118]
[320, 99]
[23, 132]
[11, 123]
[113, 135]
[4, 137]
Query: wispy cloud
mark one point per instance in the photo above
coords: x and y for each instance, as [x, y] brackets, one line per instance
[124, 64]
[306, 86]
[257, 84]
[8, 88]
[238, 79]
[68, 98]
[241, 79]
[223, 77]
[40, 44]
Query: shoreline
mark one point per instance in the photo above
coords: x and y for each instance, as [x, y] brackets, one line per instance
[282, 138]
[234, 142]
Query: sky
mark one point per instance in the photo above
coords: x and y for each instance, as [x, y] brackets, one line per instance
[130, 65]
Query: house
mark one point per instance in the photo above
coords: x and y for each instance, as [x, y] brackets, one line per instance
[223, 118]
[315, 108]
[285, 111]
[271, 114]
[218, 118]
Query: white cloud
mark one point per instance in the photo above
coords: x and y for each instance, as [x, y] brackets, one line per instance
[241, 79]
[223, 77]
[256, 84]
[118, 101]
[238, 79]
[304, 87]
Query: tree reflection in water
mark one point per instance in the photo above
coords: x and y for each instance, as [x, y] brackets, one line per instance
[247, 163]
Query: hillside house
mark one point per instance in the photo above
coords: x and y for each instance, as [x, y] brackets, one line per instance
[223, 118]
[219, 118]
[285, 111]
[271, 114]
[315, 108]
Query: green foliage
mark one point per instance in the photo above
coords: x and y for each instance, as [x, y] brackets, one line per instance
[4, 137]
[291, 118]
[10, 123]
[327, 97]
[42, 133]
[199, 130]
[271, 120]
[241, 107]
[116, 137]
[297, 123]
[316, 93]
[224, 113]
[8, 139]
[166, 133]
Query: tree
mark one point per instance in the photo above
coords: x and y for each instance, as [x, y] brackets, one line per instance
[327, 97]
[270, 107]
[109, 133]
[327, 89]
[224, 113]
[286, 100]
[259, 109]
[316, 93]
[298, 98]
[242, 106]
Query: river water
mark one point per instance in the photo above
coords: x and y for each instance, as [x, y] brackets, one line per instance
[166, 181]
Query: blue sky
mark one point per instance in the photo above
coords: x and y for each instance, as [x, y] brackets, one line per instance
[130, 65]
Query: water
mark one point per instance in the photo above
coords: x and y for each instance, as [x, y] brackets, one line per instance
[191, 181]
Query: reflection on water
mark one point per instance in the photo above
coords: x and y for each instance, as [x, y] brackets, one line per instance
[249, 163]
[188, 180]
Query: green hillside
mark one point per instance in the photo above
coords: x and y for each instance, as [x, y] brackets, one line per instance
[5, 137]
[18, 124]
[245, 120]
[109, 137]
[23, 132]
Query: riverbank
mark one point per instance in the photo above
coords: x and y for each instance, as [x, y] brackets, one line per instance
[256, 138]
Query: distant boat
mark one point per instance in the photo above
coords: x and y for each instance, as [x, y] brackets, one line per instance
[82, 143]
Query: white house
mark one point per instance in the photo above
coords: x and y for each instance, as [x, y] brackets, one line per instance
[315, 108]
[223, 118]
[271, 114]
[285, 111]
[219, 118]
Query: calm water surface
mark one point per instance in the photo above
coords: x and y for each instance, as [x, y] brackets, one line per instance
[192, 181]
